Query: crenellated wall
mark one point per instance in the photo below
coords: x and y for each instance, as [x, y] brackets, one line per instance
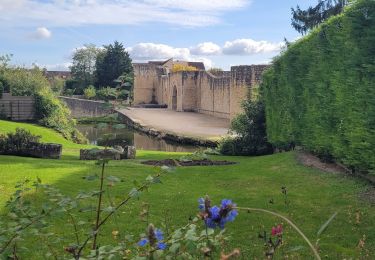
[219, 95]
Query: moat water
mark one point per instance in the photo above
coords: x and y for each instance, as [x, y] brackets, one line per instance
[127, 136]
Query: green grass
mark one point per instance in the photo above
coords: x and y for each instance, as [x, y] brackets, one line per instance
[314, 196]
[47, 136]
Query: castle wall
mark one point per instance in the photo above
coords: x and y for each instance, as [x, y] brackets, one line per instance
[146, 81]
[214, 95]
[189, 91]
[219, 95]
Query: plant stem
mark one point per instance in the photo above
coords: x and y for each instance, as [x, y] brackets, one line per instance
[105, 219]
[74, 226]
[99, 207]
[316, 254]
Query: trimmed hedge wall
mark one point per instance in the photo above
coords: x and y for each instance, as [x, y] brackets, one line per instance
[320, 92]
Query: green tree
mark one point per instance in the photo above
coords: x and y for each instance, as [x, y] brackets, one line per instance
[305, 20]
[83, 67]
[113, 62]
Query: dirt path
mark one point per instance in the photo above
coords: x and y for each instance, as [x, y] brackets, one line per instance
[310, 160]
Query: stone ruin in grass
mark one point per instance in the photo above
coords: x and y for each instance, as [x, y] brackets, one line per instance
[115, 153]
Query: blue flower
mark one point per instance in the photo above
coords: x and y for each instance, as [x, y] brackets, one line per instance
[161, 246]
[143, 242]
[201, 204]
[159, 234]
[155, 236]
[215, 216]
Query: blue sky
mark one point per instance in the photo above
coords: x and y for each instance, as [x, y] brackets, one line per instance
[221, 33]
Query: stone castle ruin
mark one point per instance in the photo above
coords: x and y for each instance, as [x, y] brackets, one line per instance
[219, 94]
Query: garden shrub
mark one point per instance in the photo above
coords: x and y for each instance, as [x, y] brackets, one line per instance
[52, 113]
[18, 140]
[73, 87]
[320, 92]
[90, 92]
[22, 82]
[250, 132]
[107, 94]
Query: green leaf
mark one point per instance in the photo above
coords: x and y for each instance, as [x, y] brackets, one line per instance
[91, 177]
[134, 193]
[109, 209]
[296, 248]
[325, 225]
[113, 179]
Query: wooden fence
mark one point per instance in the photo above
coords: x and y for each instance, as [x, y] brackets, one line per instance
[17, 108]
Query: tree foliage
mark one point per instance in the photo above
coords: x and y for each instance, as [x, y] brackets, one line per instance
[305, 20]
[250, 130]
[320, 92]
[111, 63]
[83, 66]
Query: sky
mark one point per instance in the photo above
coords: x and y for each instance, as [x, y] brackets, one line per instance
[221, 33]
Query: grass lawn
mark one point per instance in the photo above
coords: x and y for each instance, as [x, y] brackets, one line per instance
[314, 196]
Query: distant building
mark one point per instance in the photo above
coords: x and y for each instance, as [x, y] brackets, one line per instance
[199, 91]
[50, 74]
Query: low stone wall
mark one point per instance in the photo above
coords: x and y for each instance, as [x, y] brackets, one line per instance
[37, 150]
[117, 153]
[17, 108]
[86, 108]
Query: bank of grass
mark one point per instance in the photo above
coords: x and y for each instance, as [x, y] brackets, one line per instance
[47, 136]
[255, 181]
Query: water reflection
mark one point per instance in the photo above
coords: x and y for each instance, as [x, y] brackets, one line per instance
[127, 136]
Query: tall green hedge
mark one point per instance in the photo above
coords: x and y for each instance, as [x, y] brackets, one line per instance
[320, 92]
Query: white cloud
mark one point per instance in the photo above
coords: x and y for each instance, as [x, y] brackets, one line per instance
[240, 47]
[146, 51]
[11, 4]
[206, 48]
[249, 47]
[115, 12]
[153, 51]
[41, 33]
[199, 5]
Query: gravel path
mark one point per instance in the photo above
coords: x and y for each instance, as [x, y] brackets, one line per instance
[180, 123]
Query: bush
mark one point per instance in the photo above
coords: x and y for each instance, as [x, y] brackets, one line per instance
[90, 92]
[52, 113]
[17, 141]
[181, 67]
[320, 92]
[107, 94]
[73, 87]
[250, 130]
[57, 85]
[22, 82]
[123, 94]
